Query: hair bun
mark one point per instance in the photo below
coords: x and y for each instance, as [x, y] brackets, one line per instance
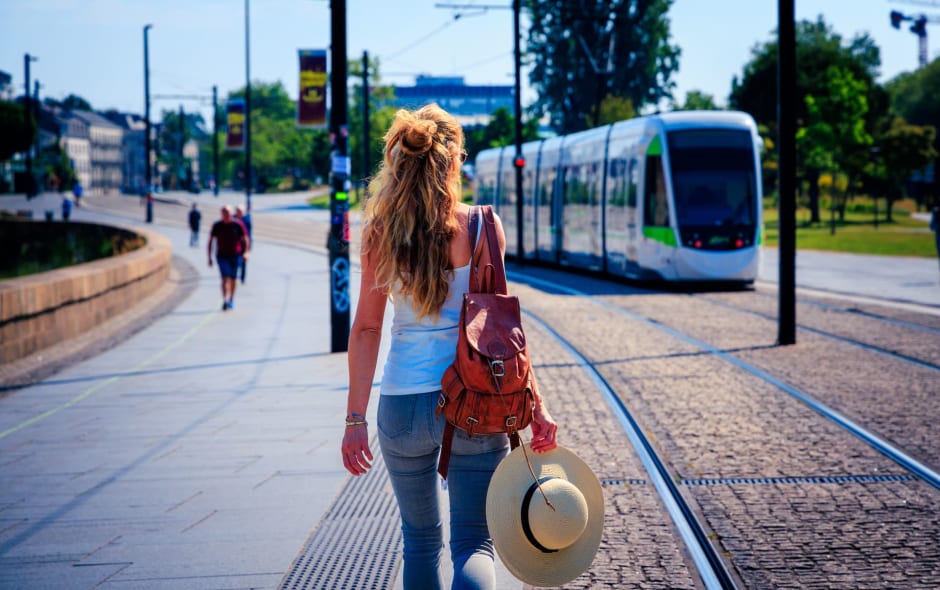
[418, 138]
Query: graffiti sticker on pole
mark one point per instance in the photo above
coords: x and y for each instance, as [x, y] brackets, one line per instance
[339, 283]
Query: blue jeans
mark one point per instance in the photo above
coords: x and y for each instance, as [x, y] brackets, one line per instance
[410, 438]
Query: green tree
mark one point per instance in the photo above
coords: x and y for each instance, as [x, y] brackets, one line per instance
[834, 138]
[818, 48]
[583, 52]
[381, 114]
[72, 102]
[613, 109]
[283, 157]
[17, 130]
[696, 100]
[914, 97]
[500, 131]
[903, 149]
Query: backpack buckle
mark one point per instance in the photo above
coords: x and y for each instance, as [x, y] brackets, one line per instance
[510, 422]
[497, 368]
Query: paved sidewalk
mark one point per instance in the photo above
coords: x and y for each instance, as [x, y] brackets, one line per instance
[200, 453]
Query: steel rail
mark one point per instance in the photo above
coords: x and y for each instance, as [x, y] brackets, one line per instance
[879, 444]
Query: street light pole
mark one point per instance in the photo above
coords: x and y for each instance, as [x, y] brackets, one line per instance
[215, 140]
[247, 115]
[27, 105]
[148, 177]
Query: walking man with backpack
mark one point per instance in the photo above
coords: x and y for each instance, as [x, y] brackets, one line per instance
[232, 244]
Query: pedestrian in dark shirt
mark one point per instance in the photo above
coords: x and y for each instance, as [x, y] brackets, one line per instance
[194, 218]
[232, 245]
[66, 208]
[245, 220]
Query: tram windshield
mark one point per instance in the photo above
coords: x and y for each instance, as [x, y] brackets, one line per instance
[713, 177]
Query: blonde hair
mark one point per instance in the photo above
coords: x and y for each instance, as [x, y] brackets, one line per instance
[410, 217]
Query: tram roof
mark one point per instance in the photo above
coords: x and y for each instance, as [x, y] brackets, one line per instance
[670, 121]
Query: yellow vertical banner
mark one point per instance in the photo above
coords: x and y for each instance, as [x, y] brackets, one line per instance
[235, 124]
[311, 105]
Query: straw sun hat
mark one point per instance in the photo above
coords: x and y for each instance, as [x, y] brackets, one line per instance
[540, 545]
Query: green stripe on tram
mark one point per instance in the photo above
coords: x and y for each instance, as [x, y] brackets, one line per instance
[664, 235]
[655, 147]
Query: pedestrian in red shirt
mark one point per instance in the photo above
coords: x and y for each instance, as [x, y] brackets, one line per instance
[232, 243]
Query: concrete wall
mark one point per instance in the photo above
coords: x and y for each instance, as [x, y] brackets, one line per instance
[39, 310]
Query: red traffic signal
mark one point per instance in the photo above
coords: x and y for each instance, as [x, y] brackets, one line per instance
[896, 18]
[519, 162]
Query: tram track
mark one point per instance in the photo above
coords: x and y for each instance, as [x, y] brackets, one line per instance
[712, 570]
[880, 444]
[846, 339]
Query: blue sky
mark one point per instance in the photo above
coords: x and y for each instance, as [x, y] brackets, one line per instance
[94, 48]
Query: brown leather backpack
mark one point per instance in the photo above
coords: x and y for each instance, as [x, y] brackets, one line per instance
[490, 388]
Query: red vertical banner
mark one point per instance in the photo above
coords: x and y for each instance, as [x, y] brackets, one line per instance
[235, 123]
[311, 105]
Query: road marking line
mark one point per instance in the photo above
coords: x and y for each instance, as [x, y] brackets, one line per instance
[91, 390]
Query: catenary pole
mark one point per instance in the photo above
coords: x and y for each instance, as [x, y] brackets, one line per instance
[147, 190]
[518, 161]
[338, 241]
[366, 156]
[786, 124]
[247, 113]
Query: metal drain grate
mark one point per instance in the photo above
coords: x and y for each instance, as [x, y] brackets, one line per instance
[611, 482]
[357, 544]
[790, 480]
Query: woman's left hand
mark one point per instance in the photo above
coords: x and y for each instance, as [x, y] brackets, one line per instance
[544, 430]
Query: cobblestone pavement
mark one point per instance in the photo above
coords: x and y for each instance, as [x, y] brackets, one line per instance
[791, 499]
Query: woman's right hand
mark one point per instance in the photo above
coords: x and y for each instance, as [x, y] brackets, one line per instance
[544, 430]
[357, 458]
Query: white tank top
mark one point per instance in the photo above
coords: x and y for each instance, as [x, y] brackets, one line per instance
[421, 350]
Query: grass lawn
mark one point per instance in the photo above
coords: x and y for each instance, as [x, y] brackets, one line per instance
[903, 236]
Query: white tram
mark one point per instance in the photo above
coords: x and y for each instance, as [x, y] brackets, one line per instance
[674, 196]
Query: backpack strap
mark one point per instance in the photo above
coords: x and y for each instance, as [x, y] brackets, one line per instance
[444, 460]
[495, 273]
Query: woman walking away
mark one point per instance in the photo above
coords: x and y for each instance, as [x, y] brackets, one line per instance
[416, 250]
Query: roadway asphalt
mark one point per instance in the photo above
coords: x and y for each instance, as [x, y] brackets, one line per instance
[203, 450]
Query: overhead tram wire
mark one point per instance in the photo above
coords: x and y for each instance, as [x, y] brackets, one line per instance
[422, 39]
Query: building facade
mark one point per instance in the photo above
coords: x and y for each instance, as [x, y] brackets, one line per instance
[470, 105]
[107, 152]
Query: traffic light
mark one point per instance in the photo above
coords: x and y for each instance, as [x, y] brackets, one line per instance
[519, 162]
[896, 18]
[919, 27]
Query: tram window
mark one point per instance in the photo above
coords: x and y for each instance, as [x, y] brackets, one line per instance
[656, 207]
[632, 180]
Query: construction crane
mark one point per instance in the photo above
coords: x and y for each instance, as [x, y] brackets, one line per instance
[919, 28]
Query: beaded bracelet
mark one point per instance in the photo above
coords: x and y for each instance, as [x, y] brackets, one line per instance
[355, 420]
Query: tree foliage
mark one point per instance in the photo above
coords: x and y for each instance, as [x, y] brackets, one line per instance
[834, 137]
[818, 48]
[500, 131]
[17, 130]
[72, 102]
[584, 51]
[380, 118]
[696, 100]
[904, 149]
[283, 156]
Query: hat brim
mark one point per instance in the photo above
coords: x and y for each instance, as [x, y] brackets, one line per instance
[503, 516]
